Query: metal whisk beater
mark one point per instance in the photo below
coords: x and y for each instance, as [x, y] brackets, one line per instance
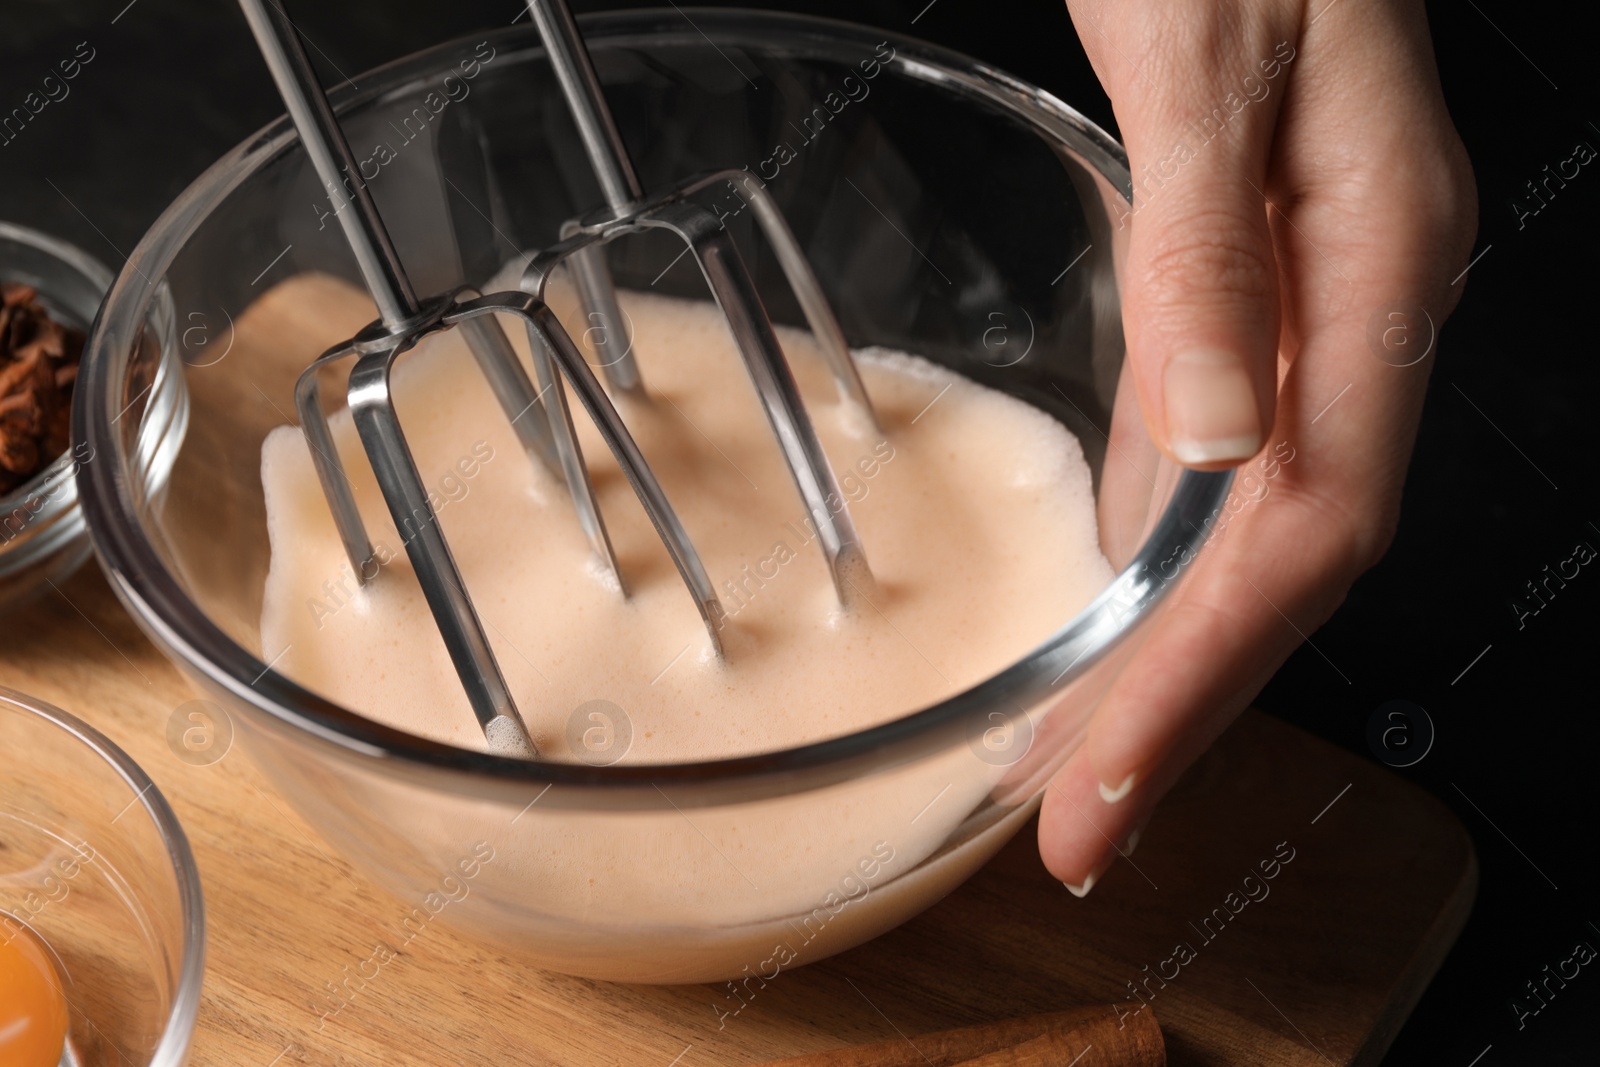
[541, 417]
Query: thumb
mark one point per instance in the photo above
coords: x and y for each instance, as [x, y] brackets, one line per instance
[1200, 295]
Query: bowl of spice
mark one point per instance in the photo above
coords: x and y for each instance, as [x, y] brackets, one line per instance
[50, 292]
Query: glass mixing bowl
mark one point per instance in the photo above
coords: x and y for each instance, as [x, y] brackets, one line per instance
[949, 210]
[94, 865]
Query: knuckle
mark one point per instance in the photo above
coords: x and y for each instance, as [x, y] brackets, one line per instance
[1204, 618]
[1205, 258]
[1455, 218]
[1349, 533]
[1432, 194]
[1439, 193]
[1460, 186]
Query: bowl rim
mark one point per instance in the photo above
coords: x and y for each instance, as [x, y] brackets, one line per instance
[172, 1047]
[156, 600]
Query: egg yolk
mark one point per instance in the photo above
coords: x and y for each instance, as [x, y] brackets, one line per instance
[33, 1008]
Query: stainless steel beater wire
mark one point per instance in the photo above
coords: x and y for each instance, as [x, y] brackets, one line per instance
[803, 280]
[330, 472]
[499, 363]
[597, 294]
[573, 468]
[574, 70]
[735, 294]
[372, 406]
[542, 422]
[330, 154]
[548, 427]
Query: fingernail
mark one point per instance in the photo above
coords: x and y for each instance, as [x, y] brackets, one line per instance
[1211, 407]
[1111, 856]
[1081, 891]
[1110, 795]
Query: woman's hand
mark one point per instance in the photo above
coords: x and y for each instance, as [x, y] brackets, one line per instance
[1297, 178]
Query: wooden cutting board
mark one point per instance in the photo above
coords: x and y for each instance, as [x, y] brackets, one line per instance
[1324, 969]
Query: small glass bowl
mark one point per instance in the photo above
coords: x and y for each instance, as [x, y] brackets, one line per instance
[42, 534]
[95, 865]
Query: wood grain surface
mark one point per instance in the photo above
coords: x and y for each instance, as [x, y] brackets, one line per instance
[1321, 969]
[1101, 1034]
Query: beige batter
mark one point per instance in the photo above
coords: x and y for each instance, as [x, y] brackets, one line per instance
[976, 513]
[978, 518]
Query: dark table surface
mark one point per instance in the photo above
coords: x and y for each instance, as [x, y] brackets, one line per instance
[1496, 490]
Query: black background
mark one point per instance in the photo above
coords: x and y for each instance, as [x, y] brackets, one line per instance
[1495, 493]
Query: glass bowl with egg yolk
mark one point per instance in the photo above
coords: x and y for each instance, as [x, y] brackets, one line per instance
[691, 819]
[33, 1007]
[102, 927]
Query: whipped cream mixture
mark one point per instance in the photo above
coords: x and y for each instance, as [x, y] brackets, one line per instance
[976, 511]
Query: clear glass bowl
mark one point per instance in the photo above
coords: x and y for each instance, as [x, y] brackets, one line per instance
[42, 533]
[95, 864]
[979, 202]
